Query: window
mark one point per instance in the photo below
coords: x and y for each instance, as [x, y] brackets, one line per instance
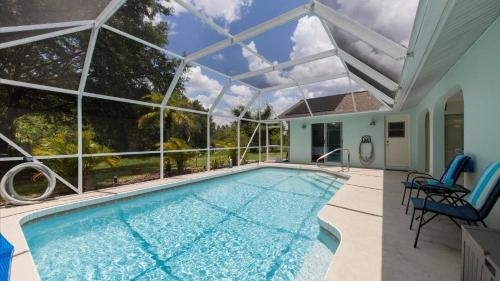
[396, 130]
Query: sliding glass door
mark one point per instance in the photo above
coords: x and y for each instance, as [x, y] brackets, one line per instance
[326, 137]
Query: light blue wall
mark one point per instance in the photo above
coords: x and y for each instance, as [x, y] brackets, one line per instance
[477, 74]
[353, 127]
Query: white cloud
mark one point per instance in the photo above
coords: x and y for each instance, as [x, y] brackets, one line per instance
[226, 10]
[309, 38]
[255, 63]
[237, 95]
[178, 9]
[281, 100]
[201, 87]
[392, 18]
[218, 57]
[327, 88]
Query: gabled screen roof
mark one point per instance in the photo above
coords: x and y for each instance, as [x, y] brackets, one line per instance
[228, 53]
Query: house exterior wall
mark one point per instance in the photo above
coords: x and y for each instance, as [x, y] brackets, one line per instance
[477, 75]
[353, 127]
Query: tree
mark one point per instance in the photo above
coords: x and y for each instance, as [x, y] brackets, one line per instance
[120, 67]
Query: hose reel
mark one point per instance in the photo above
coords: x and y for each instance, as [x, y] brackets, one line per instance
[8, 192]
[365, 157]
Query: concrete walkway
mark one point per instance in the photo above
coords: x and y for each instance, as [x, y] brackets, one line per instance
[375, 241]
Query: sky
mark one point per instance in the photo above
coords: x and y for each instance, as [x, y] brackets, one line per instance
[302, 37]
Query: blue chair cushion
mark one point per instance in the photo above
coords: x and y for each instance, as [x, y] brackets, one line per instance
[6, 250]
[452, 172]
[484, 186]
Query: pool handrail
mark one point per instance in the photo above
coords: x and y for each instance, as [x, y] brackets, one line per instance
[341, 158]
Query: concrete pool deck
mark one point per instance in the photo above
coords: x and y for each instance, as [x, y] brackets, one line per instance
[375, 241]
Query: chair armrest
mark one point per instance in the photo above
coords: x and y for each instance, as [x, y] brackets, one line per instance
[414, 180]
[416, 173]
[448, 196]
[446, 188]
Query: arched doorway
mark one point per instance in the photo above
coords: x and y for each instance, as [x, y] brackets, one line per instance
[427, 142]
[453, 126]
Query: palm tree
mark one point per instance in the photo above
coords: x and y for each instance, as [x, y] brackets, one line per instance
[180, 158]
[178, 121]
[64, 143]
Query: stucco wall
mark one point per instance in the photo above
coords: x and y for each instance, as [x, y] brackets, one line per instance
[353, 127]
[477, 74]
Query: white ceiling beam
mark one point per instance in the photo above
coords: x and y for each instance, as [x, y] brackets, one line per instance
[139, 40]
[97, 96]
[108, 11]
[320, 116]
[251, 32]
[205, 19]
[81, 89]
[286, 64]
[37, 87]
[21, 28]
[218, 28]
[371, 37]
[304, 82]
[44, 36]
[369, 71]
[334, 43]
[372, 90]
[219, 96]
[429, 22]
[221, 30]
[301, 91]
[173, 83]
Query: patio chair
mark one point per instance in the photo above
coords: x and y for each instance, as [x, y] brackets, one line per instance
[415, 179]
[474, 208]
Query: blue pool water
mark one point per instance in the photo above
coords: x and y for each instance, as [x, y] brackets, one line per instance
[254, 225]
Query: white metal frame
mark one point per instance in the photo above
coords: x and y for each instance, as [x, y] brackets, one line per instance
[325, 13]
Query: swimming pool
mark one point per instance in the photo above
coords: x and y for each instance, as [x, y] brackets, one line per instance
[254, 225]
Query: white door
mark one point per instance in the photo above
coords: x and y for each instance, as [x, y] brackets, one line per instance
[397, 142]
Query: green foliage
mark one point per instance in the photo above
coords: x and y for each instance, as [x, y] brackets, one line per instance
[33, 129]
[180, 158]
[64, 142]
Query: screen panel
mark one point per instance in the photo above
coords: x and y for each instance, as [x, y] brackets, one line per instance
[56, 62]
[124, 68]
[201, 88]
[165, 24]
[184, 130]
[393, 19]
[28, 12]
[108, 171]
[119, 127]
[40, 122]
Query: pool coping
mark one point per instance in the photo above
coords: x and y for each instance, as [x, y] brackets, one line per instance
[23, 266]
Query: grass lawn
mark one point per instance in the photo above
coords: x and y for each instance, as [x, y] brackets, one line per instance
[131, 169]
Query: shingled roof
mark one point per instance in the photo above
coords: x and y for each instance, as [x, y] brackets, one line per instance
[335, 104]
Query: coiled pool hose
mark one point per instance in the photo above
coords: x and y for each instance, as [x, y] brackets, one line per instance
[366, 159]
[8, 192]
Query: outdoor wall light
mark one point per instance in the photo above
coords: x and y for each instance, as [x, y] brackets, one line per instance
[373, 122]
[304, 125]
